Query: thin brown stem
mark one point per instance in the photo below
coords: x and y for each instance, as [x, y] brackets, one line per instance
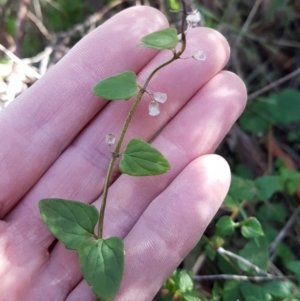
[127, 121]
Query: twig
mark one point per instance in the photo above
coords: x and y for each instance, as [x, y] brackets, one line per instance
[274, 84]
[242, 277]
[35, 59]
[283, 233]
[27, 69]
[282, 42]
[243, 260]
[89, 21]
[39, 24]
[241, 35]
[38, 10]
[247, 22]
[23, 8]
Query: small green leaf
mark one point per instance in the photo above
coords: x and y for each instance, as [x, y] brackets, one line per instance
[294, 266]
[252, 122]
[142, 159]
[253, 292]
[174, 5]
[231, 291]
[255, 251]
[102, 265]
[162, 39]
[278, 288]
[69, 221]
[241, 189]
[231, 203]
[191, 296]
[225, 226]
[217, 292]
[251, 228]
[272, 212]
[290, 178]
[117, 87]
[185, 282]
[285, 253]
[267, 185]
[210, 251]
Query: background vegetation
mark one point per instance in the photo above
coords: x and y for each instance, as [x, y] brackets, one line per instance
[251, 250]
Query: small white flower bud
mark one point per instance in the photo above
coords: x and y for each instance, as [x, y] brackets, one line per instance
[193, 19]
[159, 97]
[110, 139]
[199, 55]
[153, 108]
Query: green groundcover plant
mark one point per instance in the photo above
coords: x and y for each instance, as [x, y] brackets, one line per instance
[79, 226]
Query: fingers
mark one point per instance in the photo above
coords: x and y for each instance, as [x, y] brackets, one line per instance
[173, 224]
[196, 130]
[169, 228]
[37, 127]
[79, 173]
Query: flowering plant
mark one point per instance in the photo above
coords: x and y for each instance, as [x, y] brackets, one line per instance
[74, 223]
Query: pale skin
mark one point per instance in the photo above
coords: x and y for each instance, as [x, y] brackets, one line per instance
[52, 145]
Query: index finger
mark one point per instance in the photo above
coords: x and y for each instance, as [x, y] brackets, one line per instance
[40, 124]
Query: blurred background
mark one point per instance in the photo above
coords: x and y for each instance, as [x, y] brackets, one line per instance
[259, 221]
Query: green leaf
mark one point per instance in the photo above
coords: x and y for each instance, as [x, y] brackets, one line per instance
[162, 39]
[255, 251]
[210, 251]
[288, 106]
[280, 108]
[241, 189]
[278, 288]
[251, 228]
[252, 122]
[190, 296]
[285, 253]
[142, 159]
[267, 185]
[217, 292]
[253, 292]
[290, 178]
[294, 266]
[231, 291]
[174, 5]
[117, 87]
[185, 282]
[225, 226]
[272, 212]
[102, 265]
[231, 203]
[70, 222]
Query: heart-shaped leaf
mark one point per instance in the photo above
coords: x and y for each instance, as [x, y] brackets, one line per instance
[142, 159]
[162, 39]
[225, 226]
[255, 251]
[117, 87]
[253, 292]
[102, 265]
[69, 221]
[251, 228]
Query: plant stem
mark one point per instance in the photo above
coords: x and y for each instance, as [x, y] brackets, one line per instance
[139, 96]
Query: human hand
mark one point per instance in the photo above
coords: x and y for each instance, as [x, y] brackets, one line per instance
[52, 145]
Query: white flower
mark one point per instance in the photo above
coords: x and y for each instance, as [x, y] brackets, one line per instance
[157, 97]
[153, 108]
[110, 139]
[199, 55]
[193, 19]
